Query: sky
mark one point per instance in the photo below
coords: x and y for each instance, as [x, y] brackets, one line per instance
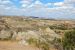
[39, 8]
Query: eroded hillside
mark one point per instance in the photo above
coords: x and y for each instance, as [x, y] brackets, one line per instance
[35, 32]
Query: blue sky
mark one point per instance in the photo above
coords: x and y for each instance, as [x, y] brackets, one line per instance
[16, 2]
[47, 1]
[39, 8]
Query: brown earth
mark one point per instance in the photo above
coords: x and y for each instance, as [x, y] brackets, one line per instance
[9, 45]
[12, 45]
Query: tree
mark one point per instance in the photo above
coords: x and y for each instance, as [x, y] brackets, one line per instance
[68, 40]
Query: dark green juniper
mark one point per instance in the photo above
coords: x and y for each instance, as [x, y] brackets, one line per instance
[68, 40]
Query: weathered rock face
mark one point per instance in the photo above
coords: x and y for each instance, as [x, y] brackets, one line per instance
[23, 30]
[52, 33]
[26, 35]
[8, 27]
[5, 34]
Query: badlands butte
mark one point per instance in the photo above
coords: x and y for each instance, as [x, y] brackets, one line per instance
[27, 33]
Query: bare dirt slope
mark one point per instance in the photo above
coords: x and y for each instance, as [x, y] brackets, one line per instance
[8, 45]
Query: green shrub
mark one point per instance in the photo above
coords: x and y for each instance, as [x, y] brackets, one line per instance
[60, 27]
[38, 43]
[68, 40]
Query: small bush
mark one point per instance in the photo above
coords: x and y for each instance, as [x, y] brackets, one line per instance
[68, 40]
[38, 43]
[60, 27]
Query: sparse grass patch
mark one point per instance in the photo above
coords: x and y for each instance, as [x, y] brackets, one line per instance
[38, 43]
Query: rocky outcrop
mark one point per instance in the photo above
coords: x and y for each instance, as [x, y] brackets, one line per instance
[6, 34]
[23, 30]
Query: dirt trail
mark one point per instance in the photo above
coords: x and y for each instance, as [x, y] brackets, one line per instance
[8, 45]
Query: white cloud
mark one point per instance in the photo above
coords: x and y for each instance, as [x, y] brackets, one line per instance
[69, 1]
[49, 4]
[37, 5]
[7, 7]
[60, 10]
[59, 4]
[38, 2]
[6, 3]
[25, 3]
[27, 0]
